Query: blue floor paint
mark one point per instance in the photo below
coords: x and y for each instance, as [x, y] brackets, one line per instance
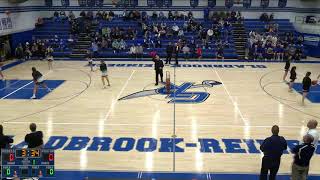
[80, 175]
[10, 65]
[23, 89]
[314, 94]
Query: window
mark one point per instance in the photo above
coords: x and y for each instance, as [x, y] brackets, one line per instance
[134, 3]
[246, 3]
[99, 2]
[264, 3]
[48, 3]
[151, 2]
[229, 3]
[82, 2]
[91, 3]
[212, 3]
[65, 2]
[194, 3]
[282, 3]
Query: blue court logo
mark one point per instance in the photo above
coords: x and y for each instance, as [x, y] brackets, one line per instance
[178, 94]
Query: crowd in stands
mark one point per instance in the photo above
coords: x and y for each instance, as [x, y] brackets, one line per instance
[272, 44]
[190, 38]
[154, 30]
[37, 48]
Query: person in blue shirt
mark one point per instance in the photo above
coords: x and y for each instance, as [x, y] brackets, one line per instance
[302, 156]
[272, 148]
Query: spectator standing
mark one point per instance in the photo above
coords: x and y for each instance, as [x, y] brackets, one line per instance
[186, 51]
[19, 52]
[302, 156]
[158, 67]
[94, 47]
[139, 51]
[176, 52]
[199, 52]
[35, 138]
[306, 84]
[4, 140]
[133, 51]
[312, 125]
[169, 51]
[272, 148]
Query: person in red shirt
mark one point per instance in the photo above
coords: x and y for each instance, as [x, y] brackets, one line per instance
[199, 52]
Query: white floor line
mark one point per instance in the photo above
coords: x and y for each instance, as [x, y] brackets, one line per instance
[246, 123]
[21, 87]
[121, 91]
[144, 125]
[17, 90]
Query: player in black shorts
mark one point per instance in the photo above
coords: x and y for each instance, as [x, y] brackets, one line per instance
[38, 80]
[286, 69]
[293, 77]
[306, 84]
[104, 73]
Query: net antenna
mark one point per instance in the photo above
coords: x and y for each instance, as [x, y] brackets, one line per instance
[168, 83]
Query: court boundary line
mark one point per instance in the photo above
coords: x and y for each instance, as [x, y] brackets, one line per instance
[246, 123]
[56, 105]
[284, 103]
[143, 125]
[121, 91]
[22, 87]
[13, 92]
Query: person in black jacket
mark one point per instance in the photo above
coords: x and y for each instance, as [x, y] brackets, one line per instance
[293, 77]
[306, 84]
[176, 51]
[35, 138]
[286, 69]
[4, 140]
[302, 155]
[169, 50]
[272, 148]
[158, 67]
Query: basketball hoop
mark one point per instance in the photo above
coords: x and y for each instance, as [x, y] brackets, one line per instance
[168, 84]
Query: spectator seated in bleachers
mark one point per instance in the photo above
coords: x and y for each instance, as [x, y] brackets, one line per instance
[153, 32]
[273, 43]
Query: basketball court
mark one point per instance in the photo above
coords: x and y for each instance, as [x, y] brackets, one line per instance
[214, 121]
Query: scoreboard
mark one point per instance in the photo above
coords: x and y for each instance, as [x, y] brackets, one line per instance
[27, 163]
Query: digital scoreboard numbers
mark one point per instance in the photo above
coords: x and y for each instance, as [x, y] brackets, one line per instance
[27, 163]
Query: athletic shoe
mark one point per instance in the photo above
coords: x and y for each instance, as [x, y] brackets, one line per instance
[33, 97]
